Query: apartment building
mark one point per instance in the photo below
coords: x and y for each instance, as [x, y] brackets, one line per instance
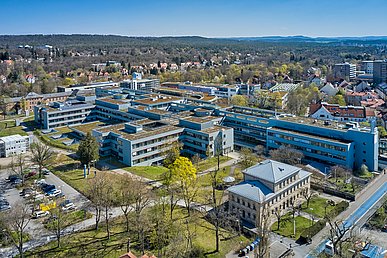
[380, 71]
[13, 145]
[345, 71]
[367, 67]
[268, 187]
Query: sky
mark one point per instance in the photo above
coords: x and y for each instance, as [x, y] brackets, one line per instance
[208, 18]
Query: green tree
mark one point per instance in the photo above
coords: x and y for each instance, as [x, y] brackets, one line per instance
[382, 131]
[185, 174]
[41, 155]
[88, 151]
[239, 100]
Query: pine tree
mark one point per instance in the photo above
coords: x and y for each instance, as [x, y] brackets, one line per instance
[88, 151]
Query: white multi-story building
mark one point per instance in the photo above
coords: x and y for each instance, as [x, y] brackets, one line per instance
[13, 145]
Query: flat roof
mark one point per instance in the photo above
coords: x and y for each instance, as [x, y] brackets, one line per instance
[146, 132]
[157, 98]
[114, 101]
[87, 127]
[200, 120]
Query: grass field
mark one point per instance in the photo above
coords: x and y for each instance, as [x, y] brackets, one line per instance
[93, 243]
[317, 207]
[151, 172]
[286, 226]
[8, 128]
[210, 163]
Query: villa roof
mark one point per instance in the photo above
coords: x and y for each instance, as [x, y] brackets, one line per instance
[271, 171]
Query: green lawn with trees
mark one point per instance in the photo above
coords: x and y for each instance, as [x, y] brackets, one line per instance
[9, 128]
[287, 226]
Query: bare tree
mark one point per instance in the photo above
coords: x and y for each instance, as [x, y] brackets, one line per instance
[107, 201]
[18, 166]
[248, 158]
[58, 222]
[287, 155]
[278, 215]
[196, 159]
[339, 233]
[126, 197]
[41, 154]
[263, 231]
[142, 198]
[16, 222]
[308, 195]
[95, 192]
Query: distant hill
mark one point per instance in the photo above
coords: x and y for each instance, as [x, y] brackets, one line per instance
[311, 39]
[102, 41]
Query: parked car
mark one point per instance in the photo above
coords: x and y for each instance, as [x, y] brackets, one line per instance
[47, 188]
[40, 181]
[45, 171]
[25, 191]
[40, 214]
[69, 206]
[39, 197]
[31, 174]
[12, 178]
[16, 182]
[55, 193]
[4, 207]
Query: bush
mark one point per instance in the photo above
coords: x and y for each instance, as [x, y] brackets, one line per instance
[339, 208]
[309, 232]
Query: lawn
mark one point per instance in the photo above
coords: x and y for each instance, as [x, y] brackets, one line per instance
[342, 186]
[210, 163]
[71, 218]
[74, 178]
[56, 143]
[286, 226]
[151, 172]
[93, 243]
[8, 128]
[317, 207]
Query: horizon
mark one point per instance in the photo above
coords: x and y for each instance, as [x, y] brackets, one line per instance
[200, 36]
[212, 19]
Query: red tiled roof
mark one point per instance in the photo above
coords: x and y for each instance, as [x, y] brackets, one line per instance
[128, 255]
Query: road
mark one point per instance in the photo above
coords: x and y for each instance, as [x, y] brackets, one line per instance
[372, 194]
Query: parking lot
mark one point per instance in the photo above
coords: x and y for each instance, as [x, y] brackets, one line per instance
[11, 195]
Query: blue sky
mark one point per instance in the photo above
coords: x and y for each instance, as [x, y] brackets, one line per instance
[209, 18]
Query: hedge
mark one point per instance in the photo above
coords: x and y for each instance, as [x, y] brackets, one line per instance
[309, 232]
[339, 208]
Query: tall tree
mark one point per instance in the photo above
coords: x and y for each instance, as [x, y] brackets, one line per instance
[126, 197]
[58, 223]
[185, 174]
[263, 231]
[95, 192]
[18, 166]
[16, 221]
[41, 155]
[88, 151]
[287, 155]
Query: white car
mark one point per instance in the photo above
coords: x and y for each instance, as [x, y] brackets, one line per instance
[55, 193]
[40, 182]
[69, 206]
[40, 214]
[39, 197]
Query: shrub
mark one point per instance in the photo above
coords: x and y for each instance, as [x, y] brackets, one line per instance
[309, 232]
[339, 208]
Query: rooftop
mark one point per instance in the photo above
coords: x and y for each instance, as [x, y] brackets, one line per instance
[146, 131]
[271, 171]
[87, 127]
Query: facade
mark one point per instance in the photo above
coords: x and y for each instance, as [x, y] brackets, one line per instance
[140, 143]
[13, 145]
[268, 187]
[331, 143]
[380, 71]
[62, 114]
[140, 84]
[204, 136]
[367, 67]
[344, 71]
[86, 86]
